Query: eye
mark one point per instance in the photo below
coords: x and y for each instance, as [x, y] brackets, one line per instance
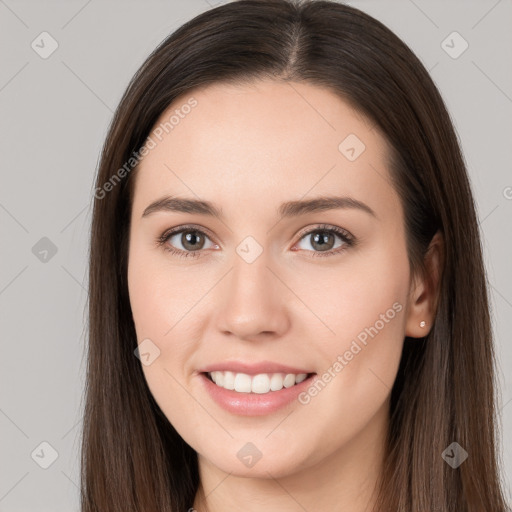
[191, 239]
[323, 240]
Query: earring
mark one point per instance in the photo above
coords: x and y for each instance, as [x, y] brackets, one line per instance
[422, 323]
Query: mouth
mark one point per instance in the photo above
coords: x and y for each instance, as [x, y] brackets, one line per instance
[256, 394]
[261, 384]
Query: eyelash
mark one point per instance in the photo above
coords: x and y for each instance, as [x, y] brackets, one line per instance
[347, 238]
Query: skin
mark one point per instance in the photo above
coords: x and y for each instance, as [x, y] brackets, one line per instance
[248, 149]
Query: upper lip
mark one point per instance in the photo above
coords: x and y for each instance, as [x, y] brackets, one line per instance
[252, 368]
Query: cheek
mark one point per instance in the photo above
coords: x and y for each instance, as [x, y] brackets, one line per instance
[364, 305]
[165, 301]
[360, 291]
[159, 296]
[162, 304]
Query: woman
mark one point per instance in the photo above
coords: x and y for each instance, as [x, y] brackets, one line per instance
[280, 310]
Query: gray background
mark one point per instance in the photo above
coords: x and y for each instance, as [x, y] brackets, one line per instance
[54, 115]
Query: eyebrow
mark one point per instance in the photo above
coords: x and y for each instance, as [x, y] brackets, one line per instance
[286, 210]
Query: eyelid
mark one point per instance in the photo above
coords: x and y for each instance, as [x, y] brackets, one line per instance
[187, 227]
[325, 227]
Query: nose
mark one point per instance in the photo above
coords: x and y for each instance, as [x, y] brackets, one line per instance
[253, 303]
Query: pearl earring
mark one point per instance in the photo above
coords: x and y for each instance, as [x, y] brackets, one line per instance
[422, 323]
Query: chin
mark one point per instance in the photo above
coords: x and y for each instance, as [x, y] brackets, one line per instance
[257, 460]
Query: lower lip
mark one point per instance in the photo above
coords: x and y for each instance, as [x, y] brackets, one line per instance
[254, 404]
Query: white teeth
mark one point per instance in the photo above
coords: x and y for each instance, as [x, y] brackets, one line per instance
[242, 383]
[261, 383]
[289, 380]
[229, 380]
[276, 382]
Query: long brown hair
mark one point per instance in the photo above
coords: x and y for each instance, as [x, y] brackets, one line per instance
[132, 457]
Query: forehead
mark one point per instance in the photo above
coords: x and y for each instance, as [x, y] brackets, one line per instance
[263, 143]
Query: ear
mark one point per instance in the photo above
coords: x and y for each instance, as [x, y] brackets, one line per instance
[424, 291]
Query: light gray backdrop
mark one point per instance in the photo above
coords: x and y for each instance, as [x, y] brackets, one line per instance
[64, 66]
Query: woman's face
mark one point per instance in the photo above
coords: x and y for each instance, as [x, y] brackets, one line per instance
[263, 287]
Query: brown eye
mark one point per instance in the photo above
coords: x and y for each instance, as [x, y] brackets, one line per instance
[323, 241]
[186, 242]
[192, 240]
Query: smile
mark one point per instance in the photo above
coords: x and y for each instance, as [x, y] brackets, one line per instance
[261, 383]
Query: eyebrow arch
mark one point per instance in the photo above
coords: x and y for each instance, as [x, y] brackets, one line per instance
[288, 209]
